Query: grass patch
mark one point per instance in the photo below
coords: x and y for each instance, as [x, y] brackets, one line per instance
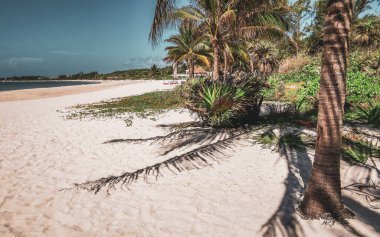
[144, 105]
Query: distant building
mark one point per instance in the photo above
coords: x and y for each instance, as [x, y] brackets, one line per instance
[199, 72]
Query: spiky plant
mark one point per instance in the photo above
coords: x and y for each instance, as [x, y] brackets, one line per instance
[284, 140]
[370, 115]
[226, 103]
[360, 150]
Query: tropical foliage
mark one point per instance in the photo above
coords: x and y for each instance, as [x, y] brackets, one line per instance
[233, 102]
[188, 46]
[245, 42]
[360, 150]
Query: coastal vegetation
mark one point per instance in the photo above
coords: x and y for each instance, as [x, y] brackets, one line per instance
[143, 105]
[267, 67]
[152, 73]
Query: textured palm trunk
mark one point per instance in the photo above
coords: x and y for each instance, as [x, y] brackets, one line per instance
[323, 193]
[251, 64]
[190, 67]
[225, 73]
[378, 68]
[175, 70]
[215, 74]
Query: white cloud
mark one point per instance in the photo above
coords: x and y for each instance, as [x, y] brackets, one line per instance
[16, 62]
[144, 62]
[64, 52]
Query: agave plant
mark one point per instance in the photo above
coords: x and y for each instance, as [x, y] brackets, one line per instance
[360, 150]
[227, 103]
[369, 115]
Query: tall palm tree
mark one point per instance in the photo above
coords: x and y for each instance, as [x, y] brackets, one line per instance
[219, 19]
[234, 53]
[367, 32]
[300, 10]
[264, 57]
[188, 46]
[216, 20]
[323, 192]
[315, 41]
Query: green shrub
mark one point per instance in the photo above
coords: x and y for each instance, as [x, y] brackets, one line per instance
[225, 103]
[359, 150]
[364, 62]
[361, 89]
[370, 115]
[142, 105]
[307, 73]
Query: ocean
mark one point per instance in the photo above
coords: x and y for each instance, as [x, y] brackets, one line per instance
[20, 85]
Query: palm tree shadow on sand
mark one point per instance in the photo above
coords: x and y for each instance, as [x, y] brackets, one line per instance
[213, 146]
[292, 145]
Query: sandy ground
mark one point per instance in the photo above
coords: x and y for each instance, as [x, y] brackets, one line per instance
[246, 191]
[30, 94]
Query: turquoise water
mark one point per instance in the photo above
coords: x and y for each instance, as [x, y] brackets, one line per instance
[20, 85]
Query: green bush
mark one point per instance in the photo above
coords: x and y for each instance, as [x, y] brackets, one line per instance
[141, 105]
[361, 89]
[370, 115]
[225, 103]
[307, 73]
[359, 150]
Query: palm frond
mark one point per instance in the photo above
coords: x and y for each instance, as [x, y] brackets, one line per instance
[360, 150]
[284, 140]
[228, 17]
[203, 156]
[161, 20]
[173, 135]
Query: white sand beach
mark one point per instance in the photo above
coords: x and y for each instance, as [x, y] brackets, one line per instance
[247, 190]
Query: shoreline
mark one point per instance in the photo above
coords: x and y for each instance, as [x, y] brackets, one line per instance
[41, 93]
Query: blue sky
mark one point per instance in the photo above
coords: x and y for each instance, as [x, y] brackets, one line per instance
[52, 37]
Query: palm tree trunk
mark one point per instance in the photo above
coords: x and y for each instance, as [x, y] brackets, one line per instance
[225, 66]
[378, 67]
[323, 193]
[190, 67]
[251, 66]
[215, 74]
[175, 70]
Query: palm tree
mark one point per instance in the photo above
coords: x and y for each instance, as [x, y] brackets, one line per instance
[323, 192]
[315, 41]
[221, 19]
[367, 32]
[300, 9]
[154, 70]
[234, 53]
[264, 57]
[188, 46]
[216, 20]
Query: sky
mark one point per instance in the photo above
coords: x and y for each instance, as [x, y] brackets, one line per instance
[54, 37]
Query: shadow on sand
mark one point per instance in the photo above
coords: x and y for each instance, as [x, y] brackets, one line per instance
[212, 146]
